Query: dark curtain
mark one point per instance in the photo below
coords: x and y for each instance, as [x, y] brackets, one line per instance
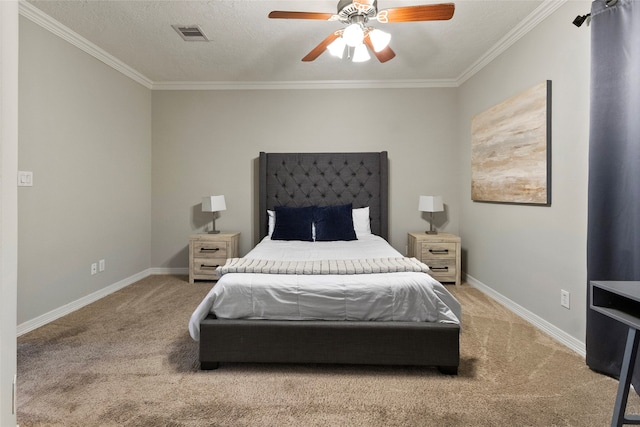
[613, 235]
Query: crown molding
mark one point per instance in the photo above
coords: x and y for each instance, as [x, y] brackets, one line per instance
[311, 84]
[45, 21]
[519, 31]
[531, 21]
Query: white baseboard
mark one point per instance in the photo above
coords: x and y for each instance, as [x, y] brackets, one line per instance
[170, 271]
[546, 327]
[42, 320]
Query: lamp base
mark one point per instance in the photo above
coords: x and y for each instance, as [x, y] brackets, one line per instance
[432, 229]
[213, 226]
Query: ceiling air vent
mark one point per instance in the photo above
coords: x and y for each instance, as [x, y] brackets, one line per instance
[190, 33]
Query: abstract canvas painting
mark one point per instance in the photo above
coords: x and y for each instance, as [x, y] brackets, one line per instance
[511, 150]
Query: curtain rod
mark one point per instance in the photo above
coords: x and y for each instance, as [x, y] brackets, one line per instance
[580, 19]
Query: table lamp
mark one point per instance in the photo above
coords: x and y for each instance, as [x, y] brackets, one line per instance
[430, 204]
[213, 204]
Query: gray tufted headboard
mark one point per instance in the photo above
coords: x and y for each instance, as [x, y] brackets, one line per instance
[322, 179]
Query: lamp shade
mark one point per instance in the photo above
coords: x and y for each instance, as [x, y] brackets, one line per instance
[336, 48]
[213, 204]
[353, 35]
[430, 204]
[379, 39]
[360, 53]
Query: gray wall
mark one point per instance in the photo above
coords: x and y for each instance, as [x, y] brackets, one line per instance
[85, 132]
[207, 143]
[528, 254]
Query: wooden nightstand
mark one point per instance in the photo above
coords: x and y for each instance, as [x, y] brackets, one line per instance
[208, 251]
[441, 252]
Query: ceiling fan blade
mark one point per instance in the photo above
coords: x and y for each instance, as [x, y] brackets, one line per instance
[317, 51]
[278, 14]
[384, 55]
[425, 12]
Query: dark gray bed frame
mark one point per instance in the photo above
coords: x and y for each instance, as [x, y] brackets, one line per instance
[306, 179]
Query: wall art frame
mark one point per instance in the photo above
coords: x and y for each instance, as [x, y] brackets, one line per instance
[511, 150]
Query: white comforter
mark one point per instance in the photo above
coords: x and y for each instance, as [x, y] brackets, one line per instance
[412, 297]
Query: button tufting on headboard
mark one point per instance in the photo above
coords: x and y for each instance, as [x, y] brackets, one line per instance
[307, 179]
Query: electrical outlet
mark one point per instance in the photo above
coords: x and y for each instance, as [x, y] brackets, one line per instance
[94, 268]
[101, 265]
[564, 298]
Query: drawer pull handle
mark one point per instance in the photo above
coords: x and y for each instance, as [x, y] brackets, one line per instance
[439, 251]
[439, 268]
[205, 266]
[209, 249]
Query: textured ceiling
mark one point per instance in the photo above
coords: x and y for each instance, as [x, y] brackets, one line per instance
[246, 46]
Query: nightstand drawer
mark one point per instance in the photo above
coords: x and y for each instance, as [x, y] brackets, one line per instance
[439, 250]
[443, 270]
[210, 249]
[207, 266]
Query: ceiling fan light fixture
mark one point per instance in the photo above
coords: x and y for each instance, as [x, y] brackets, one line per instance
[353, 35]
[361, 54]
[355, 14]
[336, 48]
[379, 39]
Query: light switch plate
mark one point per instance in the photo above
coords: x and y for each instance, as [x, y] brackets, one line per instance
[25, 179]
[564, 298]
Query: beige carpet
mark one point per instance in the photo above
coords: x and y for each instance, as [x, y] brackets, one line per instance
[127, 360]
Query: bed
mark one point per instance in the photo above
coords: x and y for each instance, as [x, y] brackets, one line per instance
[382, 335]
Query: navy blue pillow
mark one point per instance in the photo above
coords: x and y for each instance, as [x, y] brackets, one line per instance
[293, 223]
[334, 223]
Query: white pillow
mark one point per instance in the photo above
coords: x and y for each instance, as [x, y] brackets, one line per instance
[272, 221]
[361, 221]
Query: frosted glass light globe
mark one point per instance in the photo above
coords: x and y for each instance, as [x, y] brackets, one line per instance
[353, 35]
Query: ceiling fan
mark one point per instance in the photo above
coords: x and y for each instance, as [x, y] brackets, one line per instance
[357, 36]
